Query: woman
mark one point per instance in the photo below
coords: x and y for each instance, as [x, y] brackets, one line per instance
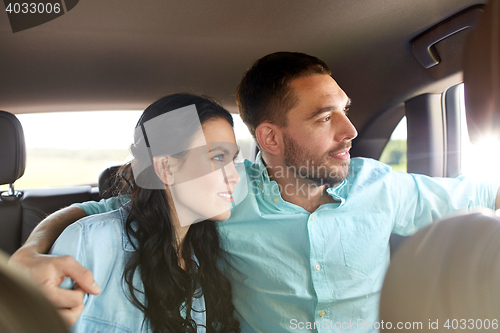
[156, 266]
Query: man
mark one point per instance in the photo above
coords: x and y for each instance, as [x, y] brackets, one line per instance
[308, 246]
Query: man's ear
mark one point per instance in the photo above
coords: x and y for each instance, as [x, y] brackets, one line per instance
[163, 169]
[270, 138]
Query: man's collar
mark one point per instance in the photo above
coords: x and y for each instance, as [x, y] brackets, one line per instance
[261, 168]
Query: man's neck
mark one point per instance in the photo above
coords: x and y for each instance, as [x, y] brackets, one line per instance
[297, 190]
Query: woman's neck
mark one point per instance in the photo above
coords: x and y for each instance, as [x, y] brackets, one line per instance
[180, 229]
[180, 234]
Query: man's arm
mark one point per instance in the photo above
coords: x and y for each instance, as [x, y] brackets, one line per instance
[46, 232]
[49, 271]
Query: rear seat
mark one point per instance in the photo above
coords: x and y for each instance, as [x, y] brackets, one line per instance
[106, 182]
[12, 165]
[21, 211]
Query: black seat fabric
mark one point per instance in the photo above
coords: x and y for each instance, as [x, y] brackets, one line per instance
[21, 211]
[12, 149]
[12, 165]
[107, 182]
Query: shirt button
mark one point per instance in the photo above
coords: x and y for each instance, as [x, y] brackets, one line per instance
[261, 186]
[322, 313]
[275, 200]
[265, 174]
[317, 267]
[312, 218]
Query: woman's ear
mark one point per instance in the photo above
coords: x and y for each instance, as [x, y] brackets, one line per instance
[162, 165]
[270, 138]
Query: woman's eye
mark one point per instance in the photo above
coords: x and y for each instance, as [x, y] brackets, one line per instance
[218, 158]
[238, 158]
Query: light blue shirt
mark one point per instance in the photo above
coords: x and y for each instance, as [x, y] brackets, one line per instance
[99, 243]
[293, 271]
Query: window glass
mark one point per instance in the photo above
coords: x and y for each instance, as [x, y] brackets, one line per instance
[243, 136]
[73, 148]
[479, 161]
[394, 153]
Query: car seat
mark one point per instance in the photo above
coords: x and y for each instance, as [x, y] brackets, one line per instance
[12, 165]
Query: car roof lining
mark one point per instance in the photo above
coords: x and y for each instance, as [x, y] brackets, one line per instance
[123, 55]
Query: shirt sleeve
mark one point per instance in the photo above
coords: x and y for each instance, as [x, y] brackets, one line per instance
[103, 206]
[422, 199]
[70, 242]
[96, 243]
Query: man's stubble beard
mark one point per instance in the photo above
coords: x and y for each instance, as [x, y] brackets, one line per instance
[307, 166]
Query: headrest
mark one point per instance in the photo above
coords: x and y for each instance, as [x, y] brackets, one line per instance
[12, 148]
[482, 75]
[106, 182]
[447, 270]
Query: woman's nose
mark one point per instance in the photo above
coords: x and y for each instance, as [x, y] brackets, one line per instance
[232, 175]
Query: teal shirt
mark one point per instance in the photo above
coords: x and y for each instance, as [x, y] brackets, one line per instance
[293, 271]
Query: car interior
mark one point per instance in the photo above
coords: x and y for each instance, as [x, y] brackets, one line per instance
[393, 58]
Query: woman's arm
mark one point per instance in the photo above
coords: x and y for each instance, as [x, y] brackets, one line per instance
[49, 271]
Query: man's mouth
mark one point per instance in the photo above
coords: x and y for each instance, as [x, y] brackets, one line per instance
[343, 155]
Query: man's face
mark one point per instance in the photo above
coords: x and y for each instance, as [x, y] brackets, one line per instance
[318, 136]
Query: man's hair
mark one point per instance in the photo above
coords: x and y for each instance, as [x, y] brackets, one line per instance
[264, 93]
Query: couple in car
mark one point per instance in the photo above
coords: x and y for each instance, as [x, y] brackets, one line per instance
[302, 233]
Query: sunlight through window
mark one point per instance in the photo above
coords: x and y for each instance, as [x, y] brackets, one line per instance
[480, 161]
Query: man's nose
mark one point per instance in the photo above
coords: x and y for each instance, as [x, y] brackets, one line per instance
[345, 129]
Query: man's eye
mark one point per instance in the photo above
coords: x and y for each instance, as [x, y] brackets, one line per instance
[325, 119]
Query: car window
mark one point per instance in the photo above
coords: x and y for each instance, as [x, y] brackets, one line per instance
[478, 161]
[394, 153]
[73, 148]
[243, 137]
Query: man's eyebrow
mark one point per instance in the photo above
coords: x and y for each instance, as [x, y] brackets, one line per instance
[328, 109]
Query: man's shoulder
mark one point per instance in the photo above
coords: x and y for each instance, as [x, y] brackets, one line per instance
[368, 161]
[368, 164]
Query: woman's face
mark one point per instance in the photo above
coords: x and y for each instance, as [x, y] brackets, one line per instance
[206, 177]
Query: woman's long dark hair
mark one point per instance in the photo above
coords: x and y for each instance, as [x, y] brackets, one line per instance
[168, 287]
